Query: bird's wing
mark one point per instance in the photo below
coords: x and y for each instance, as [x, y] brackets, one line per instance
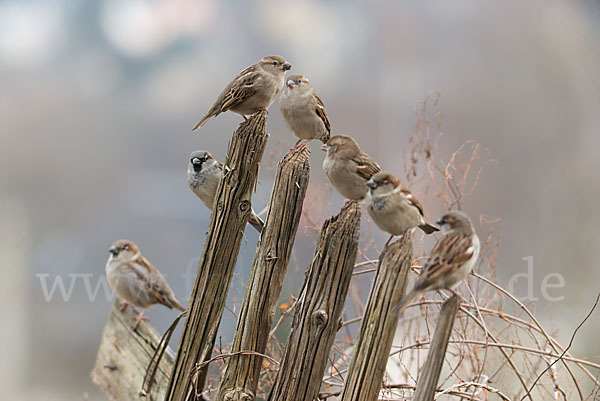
[412, 199]
[366, 167]
[240, 89]
[141, 263]
[321, 113]
[450, 253]
[160, 294]
[154, 281]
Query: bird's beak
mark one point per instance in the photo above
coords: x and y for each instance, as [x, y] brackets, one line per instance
[440, 222]
[291, 84]
[324, 147]
[286, 66]
[113, 250]
[371, 184]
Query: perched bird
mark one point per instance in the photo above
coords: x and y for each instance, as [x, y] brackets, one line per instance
[203, 176]
[347, 167]
[451, 259]
[392, 206]
[252, 90]
[303, 110]
[136, 281]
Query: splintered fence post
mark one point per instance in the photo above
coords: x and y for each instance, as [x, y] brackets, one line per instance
[430, 374]
[124, 354]
[378, 326]
[319, 309]
[241, 375]
[215, 270]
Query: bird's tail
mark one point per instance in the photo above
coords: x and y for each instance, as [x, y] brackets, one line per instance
[428, 228]
[256, 222]
[404, 302]
[202, 121]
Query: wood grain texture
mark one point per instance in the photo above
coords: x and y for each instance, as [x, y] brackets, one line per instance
[430, 374]
[215, 270]
[372, 348]
[241, 374]
[319, 309]
[124, 355]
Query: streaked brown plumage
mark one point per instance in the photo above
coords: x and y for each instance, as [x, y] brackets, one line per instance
[252, 90]
[347, 167]
[451, 259]
[393, 207]
[136, 281]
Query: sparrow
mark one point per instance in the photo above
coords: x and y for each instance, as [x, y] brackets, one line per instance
[303, 110]
[451, 259]
[252, 90]
[347, 167]
[203, 176]
[136, 281]
[392, 206]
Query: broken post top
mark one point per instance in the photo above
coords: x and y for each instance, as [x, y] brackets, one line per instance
[349, 214]
[397, 249]
[124, 354]
[243, 160]
[298, 156]
[256, 125]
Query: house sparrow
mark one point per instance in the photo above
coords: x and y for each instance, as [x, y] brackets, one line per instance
[347, 167]
[203, 176]
[451, 259]
[136, 281]
[303, 110]
[392, 206]
[253, 89]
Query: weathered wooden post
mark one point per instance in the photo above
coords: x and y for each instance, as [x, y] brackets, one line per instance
[217, 262]
[319, 309]
[124, 355]
[241, 375]
[430, 374]
[372, 348]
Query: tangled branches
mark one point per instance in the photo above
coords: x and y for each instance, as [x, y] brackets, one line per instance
[498, 348]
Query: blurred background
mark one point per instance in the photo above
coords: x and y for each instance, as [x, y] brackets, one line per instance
[97, 102]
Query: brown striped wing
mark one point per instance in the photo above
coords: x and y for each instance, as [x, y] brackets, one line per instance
[320, 110]
[450, 253]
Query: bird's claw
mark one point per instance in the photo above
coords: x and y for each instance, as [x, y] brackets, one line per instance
[138, 319]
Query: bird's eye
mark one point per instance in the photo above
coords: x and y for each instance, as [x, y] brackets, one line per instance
[299, 81]
[125, 247]
[275, 63]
